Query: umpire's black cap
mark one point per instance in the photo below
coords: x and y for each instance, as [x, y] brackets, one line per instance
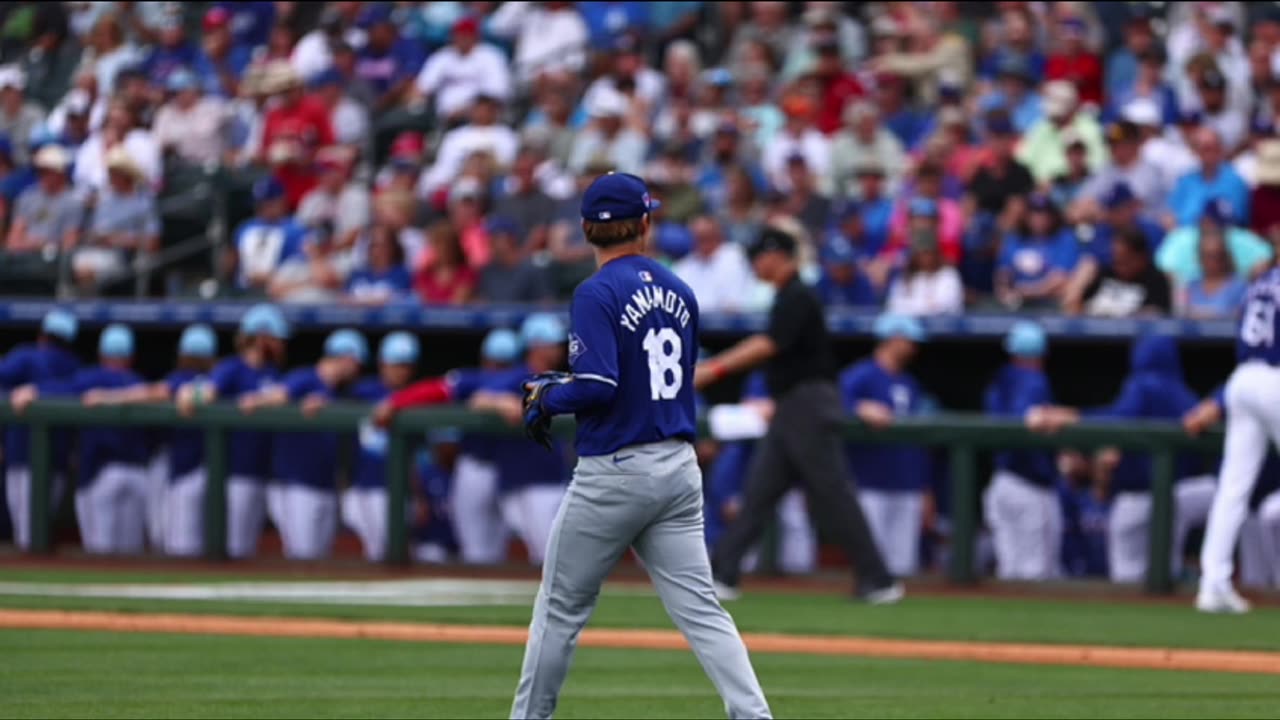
[771, 239]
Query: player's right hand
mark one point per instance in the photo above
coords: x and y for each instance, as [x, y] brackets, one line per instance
[382, 414]
[1201, 417]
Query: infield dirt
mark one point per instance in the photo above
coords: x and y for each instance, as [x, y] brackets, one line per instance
[1013, 653]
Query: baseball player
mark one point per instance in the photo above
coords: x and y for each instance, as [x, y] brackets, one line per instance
[111, 487]
[302, 498]
[1260, 533]
[482, 537]
[364, 503]
[632, 349]
[530, 480]
[803, 444]
[1253, 420]
[183, 470]
[49, 358]
[890, 478]
[1154, 389]
[259, 356]
[1021, 503]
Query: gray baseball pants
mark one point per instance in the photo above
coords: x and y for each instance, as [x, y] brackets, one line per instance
[646, 497]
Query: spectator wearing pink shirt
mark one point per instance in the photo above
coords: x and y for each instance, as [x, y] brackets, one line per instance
[928, 209]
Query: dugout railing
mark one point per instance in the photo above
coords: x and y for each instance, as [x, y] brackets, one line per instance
[962, 435]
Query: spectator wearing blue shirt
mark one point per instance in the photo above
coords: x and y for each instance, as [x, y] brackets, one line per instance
[250, 22]
[875, 207]
[1147, 83]
[1121, 214]
[1014, 93]
[607, 20]
[1216, 178]
[1036, 262]
[1018, 38]
[111, 484]
[264, 242]
[302, 500]
[1021, 503]
[1219, 291]
[220, 62]
[384, 278]
[1121, 70]
[171, 54]
[842, 283]
[388, 62]
[890, 479]
[49, 358]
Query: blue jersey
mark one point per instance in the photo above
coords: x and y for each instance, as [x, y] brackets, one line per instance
[35, 364]
[884, 467]
[634, 341]
[186, 445]
[434, 483]
[1259, 322]
[305, 458]
[1154, 390]
[249, 450]
[104, 446]
[1014, 391]
[463, 384]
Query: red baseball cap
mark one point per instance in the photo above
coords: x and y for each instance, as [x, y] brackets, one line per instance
[407, 144]
[218, 17]
[466, 25]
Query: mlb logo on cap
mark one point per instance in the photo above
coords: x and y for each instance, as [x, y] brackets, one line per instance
[617, 196]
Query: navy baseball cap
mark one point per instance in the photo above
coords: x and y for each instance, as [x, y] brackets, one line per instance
[267, 189]
[617, 196]
[1120, 194]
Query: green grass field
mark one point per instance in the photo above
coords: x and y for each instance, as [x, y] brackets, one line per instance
[61, 673]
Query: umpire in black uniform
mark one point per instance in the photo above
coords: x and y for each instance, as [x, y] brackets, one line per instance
[803, 445]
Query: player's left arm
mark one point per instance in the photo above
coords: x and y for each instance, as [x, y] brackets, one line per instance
[593, 357]
[1207, 413]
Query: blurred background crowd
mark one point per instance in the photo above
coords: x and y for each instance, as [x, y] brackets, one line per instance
[1111, 159]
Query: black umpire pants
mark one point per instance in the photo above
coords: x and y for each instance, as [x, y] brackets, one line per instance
[804, 447]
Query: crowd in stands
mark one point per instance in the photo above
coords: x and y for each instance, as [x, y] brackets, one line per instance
[1111, 159]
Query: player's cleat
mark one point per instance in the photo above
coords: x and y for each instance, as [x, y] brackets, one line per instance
[1221, 600]
[884, 595]
[725, 592]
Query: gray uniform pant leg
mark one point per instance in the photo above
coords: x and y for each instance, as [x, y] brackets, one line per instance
[655, 504]
[675, 555]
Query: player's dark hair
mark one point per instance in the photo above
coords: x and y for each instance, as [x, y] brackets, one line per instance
[615, 232]
[195, 364]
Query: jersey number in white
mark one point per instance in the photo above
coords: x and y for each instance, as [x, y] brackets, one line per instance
[1259, 325]
[665, 373]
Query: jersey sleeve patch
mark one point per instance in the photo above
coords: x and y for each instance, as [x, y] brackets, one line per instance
[576, 347]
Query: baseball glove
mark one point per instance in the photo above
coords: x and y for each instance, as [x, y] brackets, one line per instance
[537, 421]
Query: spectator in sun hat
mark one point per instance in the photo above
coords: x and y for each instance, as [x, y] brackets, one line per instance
[349, 118]
[18, 117]
[1166, 152]
[220, 62]
[864, 139]
[1214, 179]
[455, 75]
[266, 240]
[1043, 148]
[48, 214]
[1246, 161]
[124, 222]
[295, 116]
[1178, 255]
[192, 126]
